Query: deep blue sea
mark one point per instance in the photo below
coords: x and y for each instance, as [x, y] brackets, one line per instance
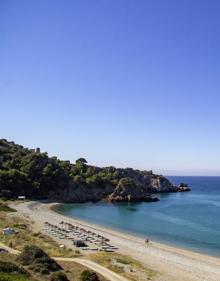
[189, 220]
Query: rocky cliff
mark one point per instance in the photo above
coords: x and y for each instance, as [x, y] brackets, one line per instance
[129, 189]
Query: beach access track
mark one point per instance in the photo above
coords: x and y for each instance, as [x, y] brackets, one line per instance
[108, 274]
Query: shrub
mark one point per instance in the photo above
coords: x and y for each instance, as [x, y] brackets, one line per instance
[79, 179]
[13, 277]
[36, 234]
[5, 208]
[87, 275]
[59, 276]
[47, 263]
[126, 182]
[36, 269]
[44, 271]
[38, 260]
[30, 254]
[9, 267]
[20, 225]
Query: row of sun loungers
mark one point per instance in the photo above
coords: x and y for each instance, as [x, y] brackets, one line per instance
[76, 234]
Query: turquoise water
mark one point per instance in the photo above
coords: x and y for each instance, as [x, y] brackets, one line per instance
[189, 220]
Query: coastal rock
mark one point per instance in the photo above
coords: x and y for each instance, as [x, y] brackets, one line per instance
[160, 184]
[132, 188]
[127, 191]
[183, 187]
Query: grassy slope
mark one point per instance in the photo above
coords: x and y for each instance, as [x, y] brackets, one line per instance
[5, 208]
[71, 269]
[26, 237]
[124, 265]
[5, 257]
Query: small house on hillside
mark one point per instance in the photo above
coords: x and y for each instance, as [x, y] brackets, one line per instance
[21, 197]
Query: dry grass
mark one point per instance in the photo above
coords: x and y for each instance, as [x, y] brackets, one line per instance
[26, 237]
[73, 270]
[4, 206]
[121, 264]
[124, 265]
[6, 257]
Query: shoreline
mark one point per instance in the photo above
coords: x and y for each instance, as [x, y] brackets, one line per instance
[169, 261]
[132, 234]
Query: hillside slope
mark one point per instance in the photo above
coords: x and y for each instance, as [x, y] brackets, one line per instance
[34, 174]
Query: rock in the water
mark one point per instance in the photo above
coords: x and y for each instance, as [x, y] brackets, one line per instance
[183, 187]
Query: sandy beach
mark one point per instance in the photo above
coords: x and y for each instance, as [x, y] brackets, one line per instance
[171, 263]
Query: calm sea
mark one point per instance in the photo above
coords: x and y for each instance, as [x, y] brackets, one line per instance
[188, 220]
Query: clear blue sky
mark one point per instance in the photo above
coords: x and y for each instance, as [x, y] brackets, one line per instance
[120, 82]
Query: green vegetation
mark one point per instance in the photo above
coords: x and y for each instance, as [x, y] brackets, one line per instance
[37, 260]
[87, 275]
[71, 271]
[8, 267]
[27, 172]
[124, 265]
[126, 182]
[74, 270]
[20, 225]
[13, 277]
[10, 271]
[59, 276]
[6, 208]
[26, 236]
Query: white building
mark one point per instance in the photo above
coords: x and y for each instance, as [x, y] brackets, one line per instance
[21, 197]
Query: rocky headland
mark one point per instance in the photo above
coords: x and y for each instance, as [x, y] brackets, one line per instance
[35, 175]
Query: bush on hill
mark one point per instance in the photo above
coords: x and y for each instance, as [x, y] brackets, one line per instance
[126, 182]
[59, 276]
[6, 208]
[13, 277]
[37, 260]
[8, 267]
[87, 275]
[12, 272]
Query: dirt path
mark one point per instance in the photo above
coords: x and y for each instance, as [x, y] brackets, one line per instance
[172, 264]
[108, 274]
[10, 250]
